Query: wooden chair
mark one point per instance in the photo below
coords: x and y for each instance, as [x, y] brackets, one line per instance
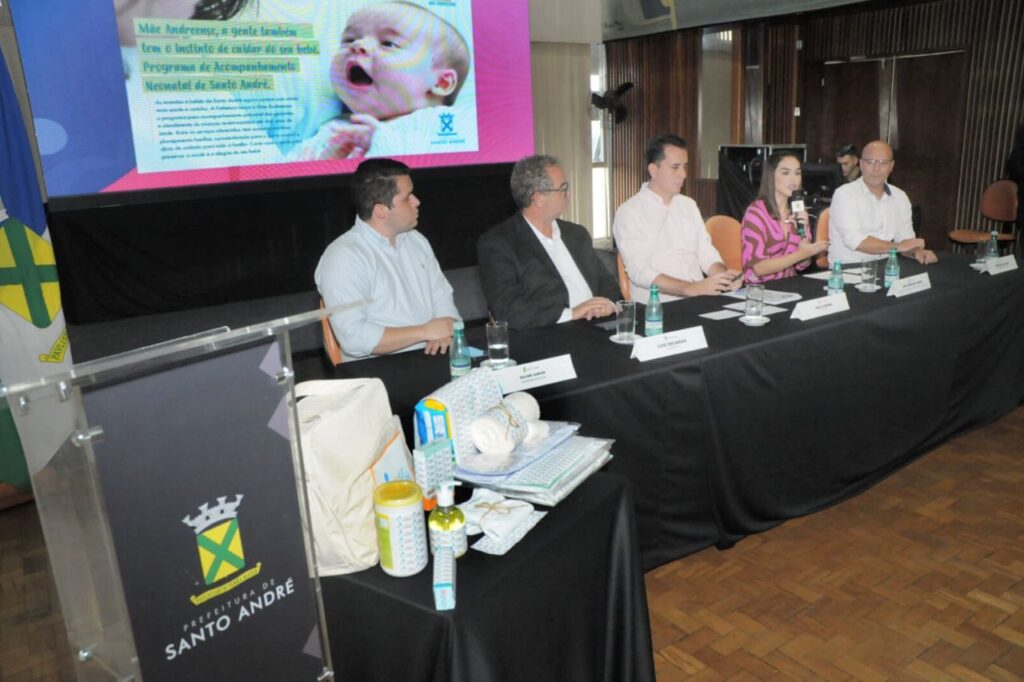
[999, 203]
[821, 235]
[725, 235]
[331, 345]
[624, 287]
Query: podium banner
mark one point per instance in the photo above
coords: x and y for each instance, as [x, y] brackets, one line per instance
[199, 486]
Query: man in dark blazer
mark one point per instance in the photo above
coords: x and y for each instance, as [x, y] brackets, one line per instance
[537, 270]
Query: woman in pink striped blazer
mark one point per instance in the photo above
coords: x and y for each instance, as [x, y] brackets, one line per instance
[775, 241]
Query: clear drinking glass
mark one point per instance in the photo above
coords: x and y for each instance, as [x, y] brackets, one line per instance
[754, 308]
[497, 343]
[625, 320]
[868, 275]
[981, 255]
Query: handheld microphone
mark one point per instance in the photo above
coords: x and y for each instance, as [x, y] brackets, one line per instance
[796, 206]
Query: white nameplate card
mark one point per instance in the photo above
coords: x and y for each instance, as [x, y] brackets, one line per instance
[820, 307]
[673, 343]
[997, 266]
[534, 374]
[910, 285]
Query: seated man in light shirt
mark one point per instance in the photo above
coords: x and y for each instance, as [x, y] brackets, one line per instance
[384, 260]
[535, 269]
[661, 236]
[869, 216]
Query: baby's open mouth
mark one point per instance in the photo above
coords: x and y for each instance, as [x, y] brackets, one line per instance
[357, 75]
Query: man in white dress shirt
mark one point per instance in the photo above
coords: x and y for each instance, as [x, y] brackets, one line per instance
[661, 236]
[869, 216]
[384, 260]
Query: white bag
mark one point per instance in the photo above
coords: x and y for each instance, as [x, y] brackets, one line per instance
[342, 423]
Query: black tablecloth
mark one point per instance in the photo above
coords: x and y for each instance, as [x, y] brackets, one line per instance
[566, 603]
[773, 422]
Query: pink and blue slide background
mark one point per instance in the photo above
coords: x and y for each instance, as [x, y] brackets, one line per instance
[75, 78]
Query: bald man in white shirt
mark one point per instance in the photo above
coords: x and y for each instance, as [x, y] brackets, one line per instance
[869, 216]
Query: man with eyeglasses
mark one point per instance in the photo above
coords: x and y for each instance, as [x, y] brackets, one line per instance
[661, 236]
[537, 270]
[869, 216]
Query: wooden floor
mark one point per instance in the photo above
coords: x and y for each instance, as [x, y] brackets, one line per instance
[920, 578]
[33, 643]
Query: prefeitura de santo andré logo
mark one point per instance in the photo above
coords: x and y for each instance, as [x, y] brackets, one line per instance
[219, 542]
[223, 566]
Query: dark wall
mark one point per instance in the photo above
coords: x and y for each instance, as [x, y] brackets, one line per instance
[990, 33]
[665, 71]
[123, 261]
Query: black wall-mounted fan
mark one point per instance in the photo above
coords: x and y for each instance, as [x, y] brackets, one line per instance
[611, 101]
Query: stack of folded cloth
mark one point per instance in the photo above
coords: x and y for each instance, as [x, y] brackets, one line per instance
[502, 444]
[502, 521]
[546, 472]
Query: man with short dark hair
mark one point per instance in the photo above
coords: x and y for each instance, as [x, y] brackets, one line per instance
[661, 236]
[384, 260]
[538, 270]
[848, 158]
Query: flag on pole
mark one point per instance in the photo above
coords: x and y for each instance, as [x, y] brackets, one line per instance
[33, 336]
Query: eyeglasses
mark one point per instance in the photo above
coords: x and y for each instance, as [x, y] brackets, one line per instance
[876, 162]
[563, 188]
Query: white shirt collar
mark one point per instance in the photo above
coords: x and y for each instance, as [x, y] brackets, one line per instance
[556, 234]
[886, 191]
[654, 197]
[376, 237]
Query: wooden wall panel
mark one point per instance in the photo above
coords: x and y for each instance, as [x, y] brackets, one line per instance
[703, 192]
[991, 33]
[780, 84]
[665, 67]
[664, 70]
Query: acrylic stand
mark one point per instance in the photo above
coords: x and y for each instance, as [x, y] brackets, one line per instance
[132, 457]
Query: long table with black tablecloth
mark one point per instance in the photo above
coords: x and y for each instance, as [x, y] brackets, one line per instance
[566, 603]
[773, 422]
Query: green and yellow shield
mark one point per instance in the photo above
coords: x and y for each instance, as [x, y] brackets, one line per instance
[220, 551]
[28, 274]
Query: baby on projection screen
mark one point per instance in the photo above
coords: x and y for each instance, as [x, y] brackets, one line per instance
[397, 66]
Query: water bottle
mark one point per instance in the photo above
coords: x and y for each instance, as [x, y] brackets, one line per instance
[458, 354]
[892, 268]
[835, 279]
[992, 249]
[653, 320]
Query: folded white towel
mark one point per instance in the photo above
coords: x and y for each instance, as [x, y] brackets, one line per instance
[495, 434]
[493, 514]
[536, 431]
[491, 435]
[526, 404]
